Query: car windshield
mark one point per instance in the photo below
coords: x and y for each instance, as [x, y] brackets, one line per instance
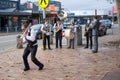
[66, 24]
[36, 27]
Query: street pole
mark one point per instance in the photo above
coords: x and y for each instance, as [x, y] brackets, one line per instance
[95, 12]
[118, 14]
[44, 14]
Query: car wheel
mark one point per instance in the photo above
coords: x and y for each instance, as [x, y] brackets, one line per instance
[110, 26]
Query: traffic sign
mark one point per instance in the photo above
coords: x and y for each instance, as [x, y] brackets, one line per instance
[43, 3]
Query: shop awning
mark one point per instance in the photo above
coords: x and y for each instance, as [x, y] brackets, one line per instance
[13, 12]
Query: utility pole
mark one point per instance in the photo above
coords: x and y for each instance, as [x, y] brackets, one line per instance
[95, 12]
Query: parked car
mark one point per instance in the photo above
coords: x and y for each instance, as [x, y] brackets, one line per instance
[66, 25]
[106, 22]
[37, 28]
[102, 29]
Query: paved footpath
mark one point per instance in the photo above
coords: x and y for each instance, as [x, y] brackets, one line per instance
[63, 64]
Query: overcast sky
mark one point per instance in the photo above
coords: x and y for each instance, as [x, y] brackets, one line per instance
[82, 4]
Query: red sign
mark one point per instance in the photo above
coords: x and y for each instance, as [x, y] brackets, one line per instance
[29, 5]
[114, 9]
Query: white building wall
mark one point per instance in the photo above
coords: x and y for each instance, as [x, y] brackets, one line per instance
[89, 12]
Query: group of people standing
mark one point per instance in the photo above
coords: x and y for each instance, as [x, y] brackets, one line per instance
[58, 27]
[29, 37]
[91, 34]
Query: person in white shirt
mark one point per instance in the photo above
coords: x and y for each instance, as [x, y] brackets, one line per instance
[58, 35]
[29, 37]
[46, 29]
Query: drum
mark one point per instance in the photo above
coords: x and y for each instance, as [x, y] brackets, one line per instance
[48, 33]
[69, 34]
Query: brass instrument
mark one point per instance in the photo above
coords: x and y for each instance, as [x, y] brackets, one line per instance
[62, 15]
[57, 28]
[20, 38]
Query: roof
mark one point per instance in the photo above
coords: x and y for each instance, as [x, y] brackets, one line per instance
[15, 13]
[8, 10]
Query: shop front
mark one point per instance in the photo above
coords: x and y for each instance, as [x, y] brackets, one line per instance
[11, 21]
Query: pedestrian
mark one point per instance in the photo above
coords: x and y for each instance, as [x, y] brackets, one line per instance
[72, 36]
[46, 29]
[29, 37]
[58, 35]
[95, 28]
[88, 34]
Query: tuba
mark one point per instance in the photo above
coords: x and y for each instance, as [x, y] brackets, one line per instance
[62, 15]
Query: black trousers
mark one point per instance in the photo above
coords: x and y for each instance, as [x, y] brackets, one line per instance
[32, 50]
[59, 39]
[46, 37]
[89, 39]
[95, 43]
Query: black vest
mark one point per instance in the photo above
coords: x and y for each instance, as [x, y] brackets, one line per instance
[46, 28]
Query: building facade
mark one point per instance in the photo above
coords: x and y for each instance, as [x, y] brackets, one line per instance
[12, 13]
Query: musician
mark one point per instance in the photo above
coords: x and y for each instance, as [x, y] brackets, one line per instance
[29, 36]
[58, 35]
[72, 34]
[46, 29]
[95, 28]
[88, 35]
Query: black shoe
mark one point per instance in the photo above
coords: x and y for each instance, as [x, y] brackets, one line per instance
[73, 48]
[68, 47]
[94, 51]
[90, 47]
[50, 49]
[85, 47]
[44, 48]
[26, 69]
[41, 67]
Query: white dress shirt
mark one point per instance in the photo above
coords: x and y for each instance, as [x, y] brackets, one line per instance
[32, 37]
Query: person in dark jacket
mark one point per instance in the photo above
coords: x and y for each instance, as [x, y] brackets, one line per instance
[95, 28]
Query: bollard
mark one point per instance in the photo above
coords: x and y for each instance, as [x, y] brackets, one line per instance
[78, 36]
[7, 29]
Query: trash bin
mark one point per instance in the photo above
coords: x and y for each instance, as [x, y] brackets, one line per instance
[19, 42]
[78, 36]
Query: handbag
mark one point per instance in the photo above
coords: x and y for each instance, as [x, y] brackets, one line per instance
[85, 33]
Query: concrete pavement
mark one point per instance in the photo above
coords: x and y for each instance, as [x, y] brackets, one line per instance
[63, 64]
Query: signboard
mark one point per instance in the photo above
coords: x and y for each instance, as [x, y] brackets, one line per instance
[43, 3]
[29, 5]
[114, 9]
[52, 7]
[7, 4]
